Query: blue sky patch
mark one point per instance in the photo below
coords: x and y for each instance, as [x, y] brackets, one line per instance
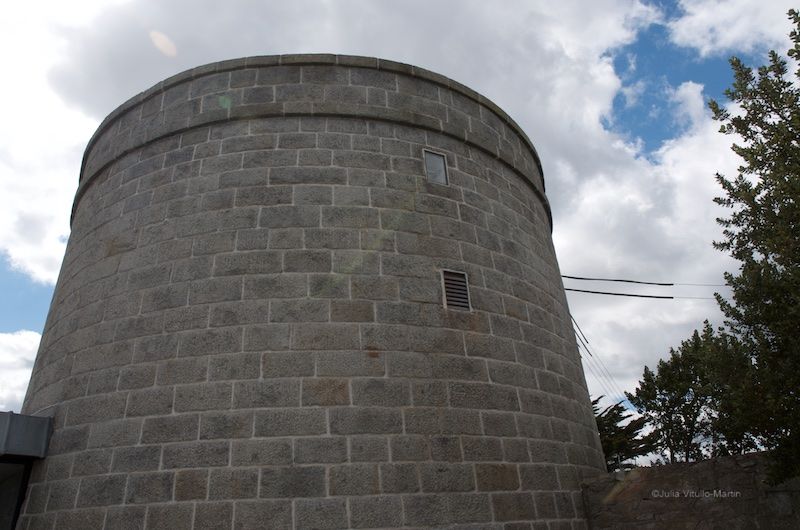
[25, 302]
[650, 69]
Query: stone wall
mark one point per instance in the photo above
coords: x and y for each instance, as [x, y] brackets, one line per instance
[725, 493]
[248, 326]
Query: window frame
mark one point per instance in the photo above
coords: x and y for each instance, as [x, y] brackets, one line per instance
[425, 152]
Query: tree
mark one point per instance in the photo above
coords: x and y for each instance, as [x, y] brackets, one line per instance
[763, 234]
[675, 400]
[733, 389]
[700, 400]
[621, 441]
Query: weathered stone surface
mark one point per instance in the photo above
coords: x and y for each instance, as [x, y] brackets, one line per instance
[290, 422]
[497, 477]
[375, 512]
[441, 477]
[368, 449]
[293, 482]
[727, 491]
[149, 488]
[261, 452]
[196, 454]
[354, 479]
[325, 392]
[262, 514]
[436, 510]
[250, 329]
[320, 450]
[191, 484]
[101, 490]
[233, 484]
[364, 420]
[321, 513]
[399, 478]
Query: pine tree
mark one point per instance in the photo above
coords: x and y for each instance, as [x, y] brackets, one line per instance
[733, 389]
[763, 234]
[621, 435]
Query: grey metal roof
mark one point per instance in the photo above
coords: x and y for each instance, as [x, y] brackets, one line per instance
[22, 435]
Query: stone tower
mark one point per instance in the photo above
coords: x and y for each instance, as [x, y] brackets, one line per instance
[310, 291]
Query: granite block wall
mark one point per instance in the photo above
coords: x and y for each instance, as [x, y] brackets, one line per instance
[725, 492]
[249, 331]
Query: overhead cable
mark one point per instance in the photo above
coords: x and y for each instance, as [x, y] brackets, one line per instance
[621, 294]
[642, 295]
[616, 280]
[579, 328]
[603, 370]
[605, 386]
[660, 284]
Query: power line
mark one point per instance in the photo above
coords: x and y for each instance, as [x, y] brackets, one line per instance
[614, 384]
[607, 383]
[584, 341]
[660, 284]
[661, 297]
[695, 297]
[616, 280]
[603, 368]
[606, 377]
[621, 294]
[598, 376]
[581, 343]
[620, 392]
[592, 363]
[579, 328]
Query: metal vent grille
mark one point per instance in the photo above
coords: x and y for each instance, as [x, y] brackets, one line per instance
[456, 291]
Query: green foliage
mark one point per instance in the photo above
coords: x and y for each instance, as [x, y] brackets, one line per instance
[700, 400]
[738, 389]
[733, 390]
[763, 234]
[675, 399]
[621, 435]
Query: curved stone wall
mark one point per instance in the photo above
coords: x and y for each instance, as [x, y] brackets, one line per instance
[248, 327]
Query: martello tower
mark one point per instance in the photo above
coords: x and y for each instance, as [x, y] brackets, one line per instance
[310, 291]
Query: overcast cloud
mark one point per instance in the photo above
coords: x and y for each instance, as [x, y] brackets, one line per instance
[618, 211]
[17, 353]
[731, 26]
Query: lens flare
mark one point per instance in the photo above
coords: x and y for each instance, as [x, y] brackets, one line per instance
[163, 43]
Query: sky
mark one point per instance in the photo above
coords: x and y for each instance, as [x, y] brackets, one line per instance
[613, 94]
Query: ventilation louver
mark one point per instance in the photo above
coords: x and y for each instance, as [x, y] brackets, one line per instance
[456, 291]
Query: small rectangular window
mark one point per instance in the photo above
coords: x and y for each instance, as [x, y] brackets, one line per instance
[435, 167]
[456, 290]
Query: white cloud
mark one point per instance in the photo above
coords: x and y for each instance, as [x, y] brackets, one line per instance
[724, 26]
[17, 353]
[41, 143]
[689, 104]
[649, 221]
[633, 92]
[550, 67]
[98, 58]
